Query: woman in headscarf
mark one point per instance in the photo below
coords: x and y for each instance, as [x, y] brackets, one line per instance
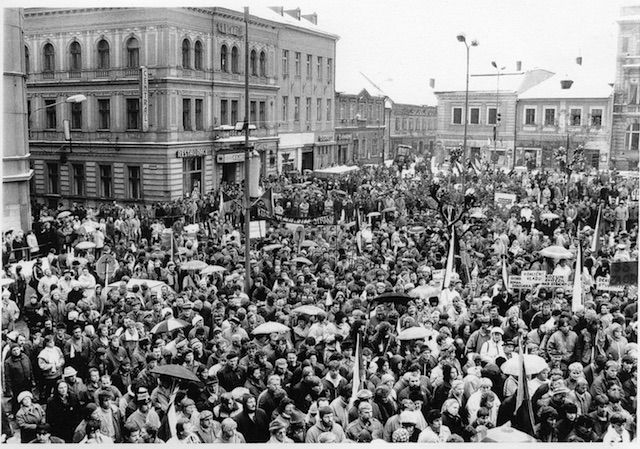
[451, 417]
[28, 417]
[616, 342]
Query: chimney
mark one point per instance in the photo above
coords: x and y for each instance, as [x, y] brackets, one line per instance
[566, 84]
[313, 18]
[518, 66]
[277, 9]
[579, 60]
[295, 13]
[432, 83]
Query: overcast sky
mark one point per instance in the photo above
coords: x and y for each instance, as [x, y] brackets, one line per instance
[401, 44]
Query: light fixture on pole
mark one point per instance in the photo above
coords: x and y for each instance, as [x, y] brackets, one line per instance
[474, 43]
[247, 159]
[498, 116]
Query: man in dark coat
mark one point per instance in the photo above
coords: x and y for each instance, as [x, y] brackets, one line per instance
[232, 375]
[253, 422]
[18, 374]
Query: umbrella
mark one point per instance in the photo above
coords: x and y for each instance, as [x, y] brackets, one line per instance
[176, 371]
[388, 209]
[213, 269]
[90, 226]
[64, 214]
[6, 281]
[301, 260]
[168, 326]
[532, 363]
[46, 219]
[308, 243]
[195, 265]
[424, 292]
[270, 327]
[308, 310]
[339, 192]
[556, 252]
[478, 214]
[507, 434]
[549, 216]
[85, 245]
[271, 247]
[393, 297]
[373, 214]
[239, 392]
[413, 333]
[417, 229]
[79, 260]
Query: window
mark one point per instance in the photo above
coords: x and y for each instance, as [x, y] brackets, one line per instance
[134, 182]
[297, 63]
[133, 53]
[234, 112]
[530, 116]
[186, 114]
[296, 108]
[319, 110]
[106, 181]
[632, 137]
[549, 117]
[263, 64]
[491, 116]
[27, 62]
[252, 112]
[104, 61]
[224, 59]
[329, 69]
[633, 93]
[309, 59]
[192, 174]
[625, 44]
[28, 114]
[50, 109]
[285, 63]
[307, 109]
[78, 179]
[457, 116]
[76, 115]
[285, 108]
[596, 117]
[398, 123]
[197, 55]
[224, 112]
[235, 60]
[133, 113]
[199, 117]
[104, 114]
[328, 110]
[75, 62]
[253, 63]
[53, 178]
[319, 67]
[186, 54]
[576, 117]
[474, 116]
[49, 63]
[263, 114]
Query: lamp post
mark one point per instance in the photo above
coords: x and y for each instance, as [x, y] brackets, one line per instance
[498, 117]
[474, 43]
[247, 159]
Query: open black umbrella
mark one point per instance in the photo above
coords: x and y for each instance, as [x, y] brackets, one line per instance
[398, 298]
[175, 371]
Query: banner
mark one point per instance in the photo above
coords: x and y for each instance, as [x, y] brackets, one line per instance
[624, 273]
[603, 284]
[505, 200]
[531, 278]
[257, 229]
[321, 220]
[515, 282]
[555, 281]
[262, 208]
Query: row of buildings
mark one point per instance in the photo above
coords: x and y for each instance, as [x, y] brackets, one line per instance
[163, 93]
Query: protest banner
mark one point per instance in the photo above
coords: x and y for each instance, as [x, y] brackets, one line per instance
[515, 282]
[505, 200]
[531, 278]
[624, 273]
[603, 284]
[555, 281]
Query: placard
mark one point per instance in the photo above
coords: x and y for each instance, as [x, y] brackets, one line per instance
[555, 281]
[257, 229]
[531, 278]
[602, 284]
[515, 282]
[624, 273]
[505, 200]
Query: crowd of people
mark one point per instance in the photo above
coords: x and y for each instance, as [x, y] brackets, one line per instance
[129, 323]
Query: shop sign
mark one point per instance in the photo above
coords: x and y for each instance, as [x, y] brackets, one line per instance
[191, 152]
[344, 136]
[230, 158]
[144, 97]
[227, 28]
[325, 138]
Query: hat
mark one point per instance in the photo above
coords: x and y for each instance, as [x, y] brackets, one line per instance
[196, 319]
[229, 423]
[560, 390]
[364, 394]
[186, 402]
[400, 436]
[206, 414]
[24, 394]
[234, 319]
[13, 335]
[408, 417]
[497, 330]
[69, 371]
[194, 341]
[142, 395]
[324, 410]
[276, 425]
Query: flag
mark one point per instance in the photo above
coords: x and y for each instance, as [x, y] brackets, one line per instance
[457, 169]
[576, 299]
[523, 417]
[263, 207]
[329, 299]
[221, 205]
[505, 274]
[450, 269]
[355, 387]
[596, 234]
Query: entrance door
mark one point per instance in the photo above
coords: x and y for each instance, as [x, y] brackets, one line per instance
[229, 173]
[307, 161]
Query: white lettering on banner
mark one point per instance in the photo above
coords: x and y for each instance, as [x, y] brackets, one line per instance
[144, 97]
[230, 158]
[602, 284]
[505, 199]
[191, 152]
[533, 277]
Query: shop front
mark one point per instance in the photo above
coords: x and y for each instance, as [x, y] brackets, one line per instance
[324, 151]
[193, 162]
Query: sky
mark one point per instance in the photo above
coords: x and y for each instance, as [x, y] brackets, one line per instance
[401, 44]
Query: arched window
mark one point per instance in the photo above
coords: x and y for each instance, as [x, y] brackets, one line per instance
[75, 63]
[133, 53]
[27, 62]
[104, 61]
[186, 54]
[632, 139]
[263, 64]
[253, 63]
[49, 61]
[224, 59]
[234, 60]
[197, 53]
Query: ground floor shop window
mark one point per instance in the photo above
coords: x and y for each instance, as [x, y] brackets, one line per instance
[192, 175]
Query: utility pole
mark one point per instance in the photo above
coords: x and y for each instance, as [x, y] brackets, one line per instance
[247, 160]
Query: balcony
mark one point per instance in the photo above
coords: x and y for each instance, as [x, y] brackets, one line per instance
[84, 75]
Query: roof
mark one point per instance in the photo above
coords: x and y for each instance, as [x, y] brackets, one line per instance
[488, 82]
[403, 92]
[585, 85]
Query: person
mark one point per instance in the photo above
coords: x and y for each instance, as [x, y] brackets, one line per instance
[50, 362]
[616, 433]
[183, 434]
[18, 375]
[435, 432]
[28, 417]
[278, 432]
[323, 425]
[145, 414]
[208, 429]
[109, 416]
[365, 421]
[94, 434]
[252, 422]
[43, 435]
[63, 412]
[228, 433]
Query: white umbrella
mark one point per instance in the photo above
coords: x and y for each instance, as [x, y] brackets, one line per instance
[195, 265]
[413, 333]
[424, 292]
[85, 245]
[168, 326]
[303, 260]
[64, 214]
[270, 327]
[556, 252]
[549, 216]
[507, 434]
[533, 364]
[308, 310]
[209, 269]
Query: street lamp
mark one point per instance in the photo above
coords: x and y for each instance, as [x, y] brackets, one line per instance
[474, 43]
[498, 117]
